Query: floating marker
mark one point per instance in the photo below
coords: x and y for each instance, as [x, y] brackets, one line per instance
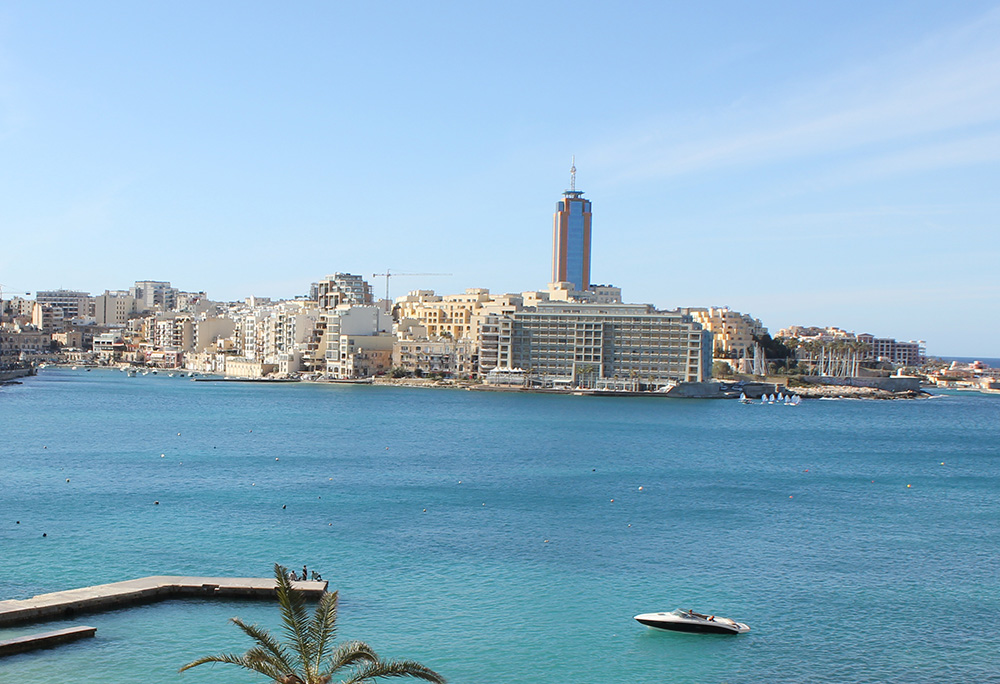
[640, 488]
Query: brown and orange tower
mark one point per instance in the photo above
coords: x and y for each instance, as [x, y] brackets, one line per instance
[571, 237]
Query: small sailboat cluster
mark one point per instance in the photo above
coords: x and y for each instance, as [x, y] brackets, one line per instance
[780, 398]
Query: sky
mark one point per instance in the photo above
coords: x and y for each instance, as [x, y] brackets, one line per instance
[807, 163]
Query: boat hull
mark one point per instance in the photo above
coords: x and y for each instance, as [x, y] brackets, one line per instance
[674, 623]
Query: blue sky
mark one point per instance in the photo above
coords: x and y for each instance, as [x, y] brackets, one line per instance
[808, 163]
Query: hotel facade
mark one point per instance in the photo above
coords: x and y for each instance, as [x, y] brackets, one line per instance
[597, 345]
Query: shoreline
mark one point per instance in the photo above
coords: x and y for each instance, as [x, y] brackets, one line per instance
[810, 391]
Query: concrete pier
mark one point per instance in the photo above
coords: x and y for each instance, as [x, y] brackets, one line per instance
[33, 642]
[61, 605]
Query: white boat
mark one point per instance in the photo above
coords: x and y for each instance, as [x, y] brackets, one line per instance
[690, 621]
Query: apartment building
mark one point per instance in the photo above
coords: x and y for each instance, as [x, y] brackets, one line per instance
[343, 289]
[154, 295]
[457, 316]
[892, 351]
[733, 332]
[359, 340]
[417, 354]
[113, 307]
[67, 304]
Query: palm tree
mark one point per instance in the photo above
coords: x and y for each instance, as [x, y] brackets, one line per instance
[310, 656]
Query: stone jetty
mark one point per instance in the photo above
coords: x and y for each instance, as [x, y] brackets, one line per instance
[32, 642]
[63, 605]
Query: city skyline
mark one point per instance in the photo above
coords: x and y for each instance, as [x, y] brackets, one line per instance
[811, 166]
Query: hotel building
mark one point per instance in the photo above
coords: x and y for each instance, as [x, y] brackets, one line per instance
[597, 345]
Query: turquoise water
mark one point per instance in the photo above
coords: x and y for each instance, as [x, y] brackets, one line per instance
[505, 538]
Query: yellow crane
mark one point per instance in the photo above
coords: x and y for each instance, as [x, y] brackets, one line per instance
[389, 274]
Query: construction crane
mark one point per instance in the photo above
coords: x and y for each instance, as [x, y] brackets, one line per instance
[388, 274]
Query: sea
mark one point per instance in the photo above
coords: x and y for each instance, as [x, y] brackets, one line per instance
[503, 537]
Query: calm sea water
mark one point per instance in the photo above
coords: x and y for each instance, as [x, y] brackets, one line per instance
[508, 538]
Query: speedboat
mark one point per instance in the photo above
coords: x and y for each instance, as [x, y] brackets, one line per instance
[690, 621]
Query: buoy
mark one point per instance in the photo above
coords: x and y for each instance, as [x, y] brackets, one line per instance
[330, 478]
[251, 431]
[906, 485]
[44, 534]
[162, 455]
[178, 434]
[546, 541]
[18, 522]
[275, 458]
[630, 524]
[942, 462]
[425, 510]
[283, 506]
[790, 496]
[640, 488]
[67, 479]
[156, 503]
[45, 447]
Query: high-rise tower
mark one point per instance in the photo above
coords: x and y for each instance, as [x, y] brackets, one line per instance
[571, 237]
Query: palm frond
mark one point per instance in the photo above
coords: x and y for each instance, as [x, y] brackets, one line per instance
[265, 663]
[295, 618]
[394, 668]
[267, 642]
[230, 658]
[323, 629]
[350, 653]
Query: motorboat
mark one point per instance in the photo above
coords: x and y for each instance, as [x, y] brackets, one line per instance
[690, 621]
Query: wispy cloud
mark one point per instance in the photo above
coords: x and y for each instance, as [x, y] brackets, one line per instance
[935, 105]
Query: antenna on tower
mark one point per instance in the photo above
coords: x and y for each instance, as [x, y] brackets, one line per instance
[572, 175]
